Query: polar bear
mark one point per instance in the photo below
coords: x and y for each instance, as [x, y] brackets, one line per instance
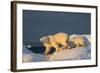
[78, 40]
[54, 41]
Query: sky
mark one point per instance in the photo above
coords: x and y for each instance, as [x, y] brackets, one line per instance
[37, 24]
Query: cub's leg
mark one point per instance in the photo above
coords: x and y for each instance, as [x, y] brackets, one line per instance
[77, 44]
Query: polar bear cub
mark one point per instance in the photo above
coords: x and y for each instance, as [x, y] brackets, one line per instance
[78, 40]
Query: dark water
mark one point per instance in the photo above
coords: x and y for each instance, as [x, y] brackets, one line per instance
[37, 47]
[40, 50]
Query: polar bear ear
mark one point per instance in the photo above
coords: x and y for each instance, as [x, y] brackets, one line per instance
[43, 38]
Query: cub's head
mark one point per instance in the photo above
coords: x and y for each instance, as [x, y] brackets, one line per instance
[77, 39]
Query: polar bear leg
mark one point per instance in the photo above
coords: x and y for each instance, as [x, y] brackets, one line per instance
[47, 50]
[54, 44]
[65, 45]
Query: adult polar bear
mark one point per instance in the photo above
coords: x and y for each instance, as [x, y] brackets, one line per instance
[54, 41]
